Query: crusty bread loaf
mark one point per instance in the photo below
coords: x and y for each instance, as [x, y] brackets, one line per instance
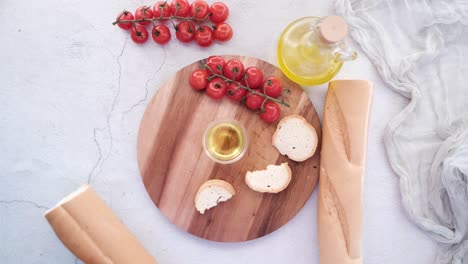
[272, 180]
[342, 166]
[211, 193]
[295, 137]
[91, 231]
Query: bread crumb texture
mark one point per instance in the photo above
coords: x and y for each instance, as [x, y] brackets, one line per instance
[272, 180]
[211, 195]
[295, 138]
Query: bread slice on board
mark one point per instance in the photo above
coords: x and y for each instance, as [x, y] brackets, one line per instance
[272, 180]
[296, 138]
[211, 193]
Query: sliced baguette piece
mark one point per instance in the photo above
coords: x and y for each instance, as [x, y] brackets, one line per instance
[272, 180]
[296, 138]
[211, 193]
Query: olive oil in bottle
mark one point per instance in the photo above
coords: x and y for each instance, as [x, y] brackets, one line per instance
[311, 50]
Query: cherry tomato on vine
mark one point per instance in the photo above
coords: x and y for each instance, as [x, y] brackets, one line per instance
[216, 88]
[253, 77]
[198, 79]
[204, 36]
[272, 112]
[125, 15]
[161, 34]
[219, 12]
[180, 8]
[234, 70]
[139, 34]
[235, 93]
[223, 32]
[144, 12]
[254, 101]
[216, 64]
[162, 9]
[273, 87]
[199, 9]
[185, 31]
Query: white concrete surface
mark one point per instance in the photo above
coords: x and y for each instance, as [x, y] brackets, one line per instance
[73, 90]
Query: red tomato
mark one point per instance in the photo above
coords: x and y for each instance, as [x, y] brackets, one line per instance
[235, 93]
[185, 31]
[216, 64]
[223, 32]
[144, 12]
[199, 9]
[161, 34]
[253, 77]
[234, 70]
[162, 9]
[217, 88]
[204, 36]
[125, 15]
[272, 112]
[254, 101]
[273, 87]
[219, 12]
[180, 7]
[198, 79]
[139, 34]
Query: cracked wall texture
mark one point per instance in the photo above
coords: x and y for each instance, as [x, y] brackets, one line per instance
[73, 90]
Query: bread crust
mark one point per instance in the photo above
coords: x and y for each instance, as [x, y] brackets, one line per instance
[215, 182]
[273, 190]
[284, 120]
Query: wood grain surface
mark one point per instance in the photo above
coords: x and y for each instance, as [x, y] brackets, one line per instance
[173, 163]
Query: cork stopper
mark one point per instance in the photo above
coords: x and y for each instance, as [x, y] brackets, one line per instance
[333, 29]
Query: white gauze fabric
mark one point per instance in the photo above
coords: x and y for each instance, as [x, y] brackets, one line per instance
[420, 49]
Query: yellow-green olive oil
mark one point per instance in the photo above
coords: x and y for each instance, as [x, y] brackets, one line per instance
[225, 141]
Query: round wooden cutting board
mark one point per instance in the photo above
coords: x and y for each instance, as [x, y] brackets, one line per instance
[173, 163]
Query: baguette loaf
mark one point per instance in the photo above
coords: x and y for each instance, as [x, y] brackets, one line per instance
[342, 168]
[89, 229]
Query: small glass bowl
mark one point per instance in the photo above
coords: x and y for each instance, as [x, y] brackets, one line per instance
[225, 141]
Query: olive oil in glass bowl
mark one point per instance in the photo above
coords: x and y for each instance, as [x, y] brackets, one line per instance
[225, 141]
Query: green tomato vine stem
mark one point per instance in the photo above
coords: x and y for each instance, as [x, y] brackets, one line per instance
[170, 18]
[266, 97]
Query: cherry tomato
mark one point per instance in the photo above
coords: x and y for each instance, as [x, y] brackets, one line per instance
[161, 34]
[144, 12]
[125, 15]
[162, 9]
[235, 93]
[217, 88]
[219, 12]
[199, 9]
[273, 87]
[139, 34]
[272, 112]
[254, 101]
[185, 31]
[223, 32]
[216, 64]
[198, 79]
[204, 36]
[234, 70]
[254, 77]
[180, 7]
